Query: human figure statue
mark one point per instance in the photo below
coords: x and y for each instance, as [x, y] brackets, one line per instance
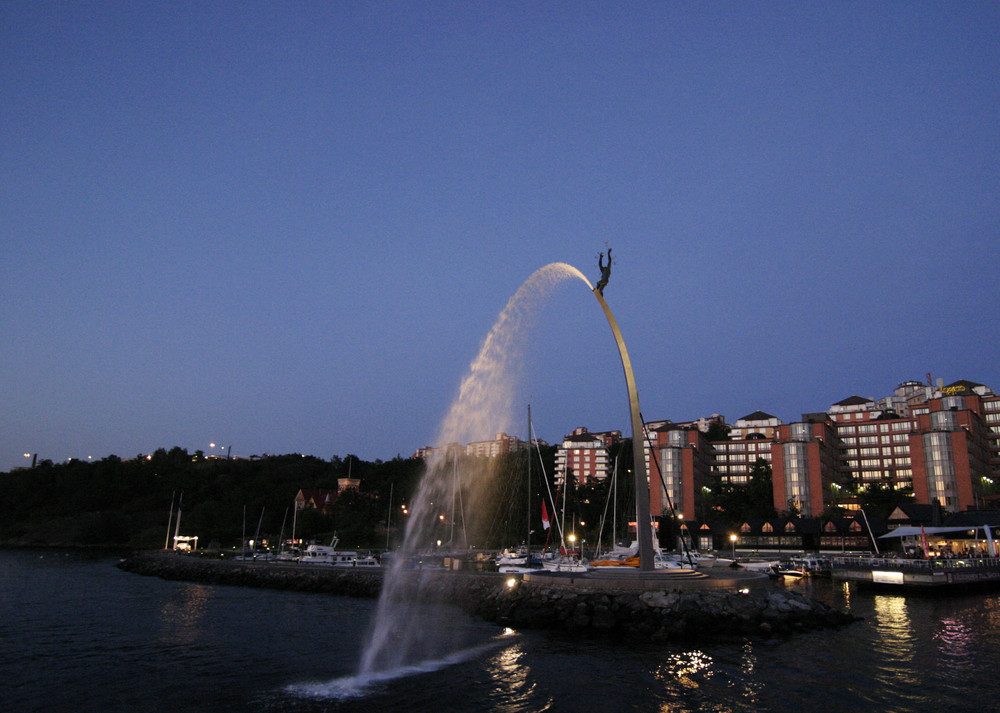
[605, 272]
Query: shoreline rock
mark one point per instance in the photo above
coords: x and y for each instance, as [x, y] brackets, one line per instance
[652, 615]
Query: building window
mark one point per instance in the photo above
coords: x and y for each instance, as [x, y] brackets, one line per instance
[796, 471]
[677, 438]
[953, 403]
[801, 432]
[944, 421]
[671, 470]
[939, 462]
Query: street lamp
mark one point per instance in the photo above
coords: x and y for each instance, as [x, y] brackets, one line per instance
[732, 538]
[572, 540]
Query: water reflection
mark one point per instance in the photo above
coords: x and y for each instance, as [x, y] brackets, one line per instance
[684, 668]
[511, 676]
[182, 615]
[954, 637]
[894, 644]
[750, 683]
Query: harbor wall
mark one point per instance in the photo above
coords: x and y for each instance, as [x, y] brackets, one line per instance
[667, 614]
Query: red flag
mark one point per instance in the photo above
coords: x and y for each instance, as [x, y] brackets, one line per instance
[545, 517]
[923, 536]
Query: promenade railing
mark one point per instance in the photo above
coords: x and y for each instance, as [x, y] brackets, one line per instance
[902, 564]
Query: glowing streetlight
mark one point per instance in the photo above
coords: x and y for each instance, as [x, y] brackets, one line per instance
[732, 538]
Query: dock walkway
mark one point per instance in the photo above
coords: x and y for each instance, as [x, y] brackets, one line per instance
[917, 573]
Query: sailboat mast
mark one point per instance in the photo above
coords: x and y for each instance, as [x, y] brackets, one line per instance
[170, 519]
[177, 522]
[529, 484]
[454, 489]
[388, 519]
[614, 511]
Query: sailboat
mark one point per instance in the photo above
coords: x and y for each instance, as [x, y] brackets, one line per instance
[519, 560]
[565, 560]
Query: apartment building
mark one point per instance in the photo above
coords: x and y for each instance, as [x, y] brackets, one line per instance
[943, 442]
[585, 456]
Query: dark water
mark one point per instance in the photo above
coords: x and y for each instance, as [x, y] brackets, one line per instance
[77, 634]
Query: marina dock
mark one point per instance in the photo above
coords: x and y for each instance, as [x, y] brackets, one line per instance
[930, 573]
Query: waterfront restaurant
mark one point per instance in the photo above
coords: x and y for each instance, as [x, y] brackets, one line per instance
[946, 542]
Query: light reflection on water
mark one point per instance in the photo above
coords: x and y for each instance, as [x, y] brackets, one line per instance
[185, 648]
[514, 687]
[894, 644]
[181, 614]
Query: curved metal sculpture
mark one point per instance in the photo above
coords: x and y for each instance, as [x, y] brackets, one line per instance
[643, 531]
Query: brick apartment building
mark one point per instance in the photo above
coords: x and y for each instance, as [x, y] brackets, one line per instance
[585, 456]
[943, 442]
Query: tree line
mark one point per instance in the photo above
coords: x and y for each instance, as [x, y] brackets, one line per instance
[225, 501]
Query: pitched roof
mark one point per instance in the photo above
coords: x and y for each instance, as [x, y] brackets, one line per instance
[583, 438]
[319, 498]
[854, 401]
[918, 512]
[757, 416]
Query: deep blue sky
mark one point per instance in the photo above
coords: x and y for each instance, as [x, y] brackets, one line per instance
[287, 227]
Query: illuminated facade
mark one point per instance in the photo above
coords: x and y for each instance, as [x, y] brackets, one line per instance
[501, 443]
[943, 442]
[585, 456]
[681, 461]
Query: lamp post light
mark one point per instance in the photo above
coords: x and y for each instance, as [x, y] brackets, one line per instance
[572, 541]
[732, 538]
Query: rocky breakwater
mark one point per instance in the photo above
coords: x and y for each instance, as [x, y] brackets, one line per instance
[271, 575]
[651, 615]
[658, 615]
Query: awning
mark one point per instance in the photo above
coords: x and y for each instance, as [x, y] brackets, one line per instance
[916, 531]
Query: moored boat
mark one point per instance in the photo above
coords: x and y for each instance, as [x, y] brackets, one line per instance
[330, 555]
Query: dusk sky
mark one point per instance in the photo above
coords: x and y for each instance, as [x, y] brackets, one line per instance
[288, 227]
